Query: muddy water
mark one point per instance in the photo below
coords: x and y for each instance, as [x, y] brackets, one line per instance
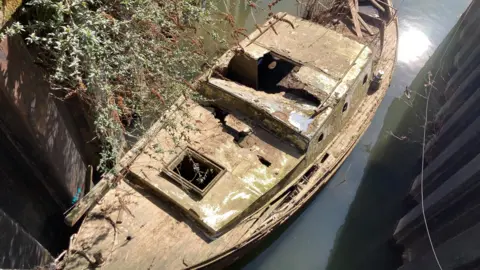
[350, 223]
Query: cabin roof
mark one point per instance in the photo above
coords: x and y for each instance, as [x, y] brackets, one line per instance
[308, 43]
[245, 178]
[292, 110]
[327, 66]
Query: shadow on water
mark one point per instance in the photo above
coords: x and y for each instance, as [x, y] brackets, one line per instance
[365, 236]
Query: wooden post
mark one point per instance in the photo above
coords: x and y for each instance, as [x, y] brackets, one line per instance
[377, 5]
[365, 25]
[354, 12]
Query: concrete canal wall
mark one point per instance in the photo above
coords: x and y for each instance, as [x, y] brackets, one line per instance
[18, 249]
[451, 174]
[44, 157]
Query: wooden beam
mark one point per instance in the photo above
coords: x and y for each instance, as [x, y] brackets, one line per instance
[366, 26]
[377, 5]
[89, 200]
[354, 12]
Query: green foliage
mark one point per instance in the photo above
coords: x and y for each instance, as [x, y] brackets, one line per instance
[125, 59]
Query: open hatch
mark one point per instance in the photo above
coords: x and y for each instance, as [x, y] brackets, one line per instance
[194, 172]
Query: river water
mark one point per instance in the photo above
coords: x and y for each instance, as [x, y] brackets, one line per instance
[350, 223]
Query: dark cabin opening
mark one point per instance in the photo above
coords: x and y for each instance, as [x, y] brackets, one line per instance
[271, 70]
[301, 95]
[269, 74]
[196, 171]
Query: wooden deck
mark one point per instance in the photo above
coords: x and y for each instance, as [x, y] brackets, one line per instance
[153, 235]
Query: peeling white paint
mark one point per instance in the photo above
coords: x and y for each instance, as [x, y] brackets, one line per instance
[242, 195]
[300, 120]
[258, 177]
[265, 181]
[227, 198]
[213, 218]
[235, 195]
[284, 161]
[250, 181]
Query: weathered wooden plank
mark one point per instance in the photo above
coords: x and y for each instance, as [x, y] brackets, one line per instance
[466, 65]
[470, 33]
[89, 200]
[377, 5]
[459, 121]
[461, 118]
[18, 249]
[365, 25]
[354, 13]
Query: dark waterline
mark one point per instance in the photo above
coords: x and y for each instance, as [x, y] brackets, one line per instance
[350, 223]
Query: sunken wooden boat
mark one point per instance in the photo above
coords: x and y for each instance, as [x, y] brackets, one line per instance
[280, 114]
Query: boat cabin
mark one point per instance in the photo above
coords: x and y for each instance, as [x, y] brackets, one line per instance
[269, 109]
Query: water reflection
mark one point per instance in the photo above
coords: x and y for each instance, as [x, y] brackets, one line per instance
[413, 45]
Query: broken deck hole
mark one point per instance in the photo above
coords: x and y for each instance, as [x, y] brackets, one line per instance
[272, 65]
[194, 172]
[345, 107]
[325, 157]
[320, 138]
[219, 114]
[241, 136]
[271, 70]
[264, 161]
